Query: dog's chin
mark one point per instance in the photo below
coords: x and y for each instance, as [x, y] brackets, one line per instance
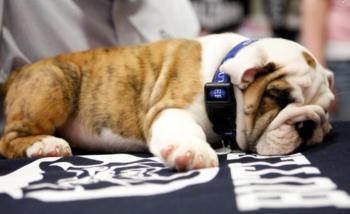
[280, 141]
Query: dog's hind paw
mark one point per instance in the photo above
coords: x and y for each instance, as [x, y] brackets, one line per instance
[49, 146]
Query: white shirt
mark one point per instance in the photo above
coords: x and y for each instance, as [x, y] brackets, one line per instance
[36, 29]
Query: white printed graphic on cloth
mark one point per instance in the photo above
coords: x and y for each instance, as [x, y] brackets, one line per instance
[286, 190]
[117, 175]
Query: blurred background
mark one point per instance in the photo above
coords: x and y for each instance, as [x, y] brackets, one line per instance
[253, 18]
[323, 26]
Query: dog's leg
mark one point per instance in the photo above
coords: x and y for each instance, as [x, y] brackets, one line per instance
[180, 141]
[39, 99]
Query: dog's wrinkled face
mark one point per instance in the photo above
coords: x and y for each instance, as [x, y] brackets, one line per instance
[286, 95]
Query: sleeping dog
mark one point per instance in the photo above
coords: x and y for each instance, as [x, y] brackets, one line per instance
[151, 97]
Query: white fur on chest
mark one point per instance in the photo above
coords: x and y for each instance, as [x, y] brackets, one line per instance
[106, 141]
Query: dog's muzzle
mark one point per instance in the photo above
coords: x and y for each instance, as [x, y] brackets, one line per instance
[293, 126]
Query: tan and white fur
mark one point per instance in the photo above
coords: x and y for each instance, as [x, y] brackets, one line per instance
[150, 97]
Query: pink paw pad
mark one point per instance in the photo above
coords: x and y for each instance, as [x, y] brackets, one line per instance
[183, 162]
[187, 158]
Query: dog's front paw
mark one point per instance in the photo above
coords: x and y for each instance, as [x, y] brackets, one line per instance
[49, 147]
[192, 155]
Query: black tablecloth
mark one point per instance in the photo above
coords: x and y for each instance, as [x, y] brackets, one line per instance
[314, 180]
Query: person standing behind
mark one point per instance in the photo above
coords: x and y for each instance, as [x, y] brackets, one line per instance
[325, 31]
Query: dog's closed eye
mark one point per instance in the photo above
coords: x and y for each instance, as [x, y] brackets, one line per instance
[279, 90]
[282, 97]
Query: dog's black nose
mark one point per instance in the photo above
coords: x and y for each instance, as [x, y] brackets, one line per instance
[305, 129]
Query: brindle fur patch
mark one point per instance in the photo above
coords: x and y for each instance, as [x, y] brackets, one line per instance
[122, 89]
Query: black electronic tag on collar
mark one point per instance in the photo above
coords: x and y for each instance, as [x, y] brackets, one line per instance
[220, 104]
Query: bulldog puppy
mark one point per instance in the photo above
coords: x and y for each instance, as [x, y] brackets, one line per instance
[150, 97]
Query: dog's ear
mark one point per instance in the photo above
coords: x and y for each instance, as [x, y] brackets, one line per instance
[244, 67]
